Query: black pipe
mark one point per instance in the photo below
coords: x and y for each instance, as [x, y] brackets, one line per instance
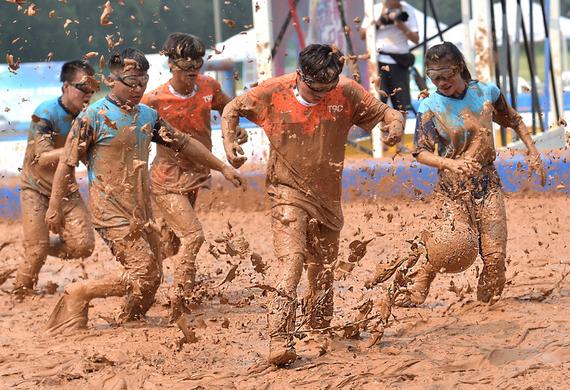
[531, 15]
[346, 30]
[507, 42]
[436, 21]
[435, 36]
[534, 92]
[503, 131]
[551, 67]
[283, 30]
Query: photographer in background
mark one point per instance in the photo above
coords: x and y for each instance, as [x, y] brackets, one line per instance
[396, 24]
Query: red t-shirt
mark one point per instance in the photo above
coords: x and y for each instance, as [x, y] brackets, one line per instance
[191, 115]
[308, 142]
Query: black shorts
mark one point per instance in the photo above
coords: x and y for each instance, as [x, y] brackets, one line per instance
[391, 80]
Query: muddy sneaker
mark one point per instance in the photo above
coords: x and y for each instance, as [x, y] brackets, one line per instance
[70, 313]
[281, 352]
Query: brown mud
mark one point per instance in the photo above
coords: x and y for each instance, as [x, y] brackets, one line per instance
[451, 341]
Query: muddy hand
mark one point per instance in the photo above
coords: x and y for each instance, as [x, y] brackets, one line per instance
[241, 136]
[232, 176]
[54, 219]
[466, 166]
[234, 153]
[393, 133]
[536, 166]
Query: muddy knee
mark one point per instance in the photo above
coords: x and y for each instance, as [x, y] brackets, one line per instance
[81, 248]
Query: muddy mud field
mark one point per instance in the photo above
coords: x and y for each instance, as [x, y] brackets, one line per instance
[449, 342]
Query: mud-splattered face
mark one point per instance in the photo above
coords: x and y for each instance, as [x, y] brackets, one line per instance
[185, 71]
[129, 85]
[314, 91]
[446, 76]
[79, 90]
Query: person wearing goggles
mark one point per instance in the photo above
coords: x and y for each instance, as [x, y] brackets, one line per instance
[113, 137]
[470, 216]
[306, 115]
[185, 101]
[51, 122]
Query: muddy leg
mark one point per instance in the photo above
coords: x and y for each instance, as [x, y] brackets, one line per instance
[77, 239]
[36, 240]
[71, 310]
[139, 282]
[138, 253]
[493, 232]
[289, 225]
[169, 242]
[179, 214]
[320, 274]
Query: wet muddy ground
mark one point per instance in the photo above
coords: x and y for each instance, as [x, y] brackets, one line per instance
[450, 342]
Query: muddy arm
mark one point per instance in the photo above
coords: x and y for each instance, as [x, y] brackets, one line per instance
[507, 116]
[191, 149]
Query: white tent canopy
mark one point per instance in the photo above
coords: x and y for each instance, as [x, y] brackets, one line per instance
[238, 48]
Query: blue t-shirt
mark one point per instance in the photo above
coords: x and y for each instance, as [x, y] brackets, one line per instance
[51, 122]
[115, 144]
[458, 125]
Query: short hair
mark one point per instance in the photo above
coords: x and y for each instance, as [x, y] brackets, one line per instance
[322, 63]
[181, 45]
[448, 50]
[118, 57]
[71, 68]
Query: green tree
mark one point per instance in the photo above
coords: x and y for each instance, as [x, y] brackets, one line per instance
[144, 24]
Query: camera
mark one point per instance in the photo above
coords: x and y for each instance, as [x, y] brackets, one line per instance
[397, 13]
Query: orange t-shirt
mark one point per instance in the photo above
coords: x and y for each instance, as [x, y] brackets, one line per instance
[191, 115]
[308, 142]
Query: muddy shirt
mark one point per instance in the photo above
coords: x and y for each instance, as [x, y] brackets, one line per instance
[50, 125]
[116, 145]
[462, 127]
[191, 115]
[308, 141]
[458, 125]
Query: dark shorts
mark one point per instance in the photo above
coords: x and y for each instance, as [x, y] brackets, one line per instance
[390, 80]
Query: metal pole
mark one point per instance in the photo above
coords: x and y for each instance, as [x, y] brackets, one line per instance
[436, 20]
[465, 18]
[502, 130]
[554, 10]
[373, 73]
[547, 60]
[516, 51]
[217, 21]
[483, 44]
[351, 63]
[533, 105]
[534, 93]
[435, 36]
[282, 31]
[263, 38]
[425, 41]
[507, 44]
[297, 23]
